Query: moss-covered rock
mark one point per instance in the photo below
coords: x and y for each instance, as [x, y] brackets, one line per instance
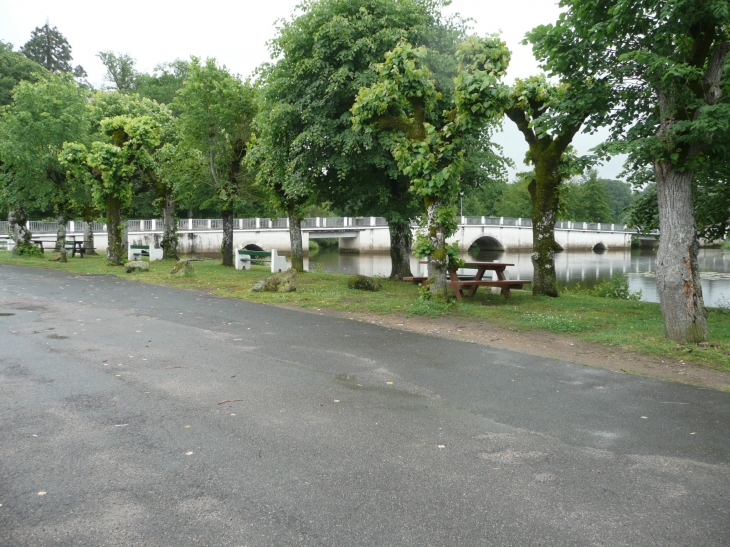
[137, 266]
[363, 283]
[182, 269]
[281, 282]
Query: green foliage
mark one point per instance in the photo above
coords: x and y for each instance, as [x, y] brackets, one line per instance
[586, 200]
[645, 211]
[43, 116]
[14, 68]
[23, 248]
[216, 112]
[120, 70]
[616, 287]
[515, 200]
[50, 49]
[163, 84]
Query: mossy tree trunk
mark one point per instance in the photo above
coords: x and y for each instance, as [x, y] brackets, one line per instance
[88, 218]
[114, 228]
[545, 153]
[169, 226]
[438, 260]
[401, 240]
[227, 243]
[61, 238]
[545, 201]
[295, 236]
[18, 220]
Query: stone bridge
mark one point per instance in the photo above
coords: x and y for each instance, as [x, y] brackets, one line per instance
[355, 234]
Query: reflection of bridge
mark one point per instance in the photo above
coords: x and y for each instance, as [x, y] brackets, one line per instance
[358, 235]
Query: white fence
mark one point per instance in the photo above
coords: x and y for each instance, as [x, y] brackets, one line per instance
[198, 225]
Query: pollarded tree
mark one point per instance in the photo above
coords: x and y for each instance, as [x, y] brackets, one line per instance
[325, 55]
[50, 49]
[125, 153]
[43, 116]
[428, 147]
[120, 70]
[549, 116]
[216, 113]
[668, 64]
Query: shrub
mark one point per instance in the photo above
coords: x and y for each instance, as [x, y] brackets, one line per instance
[615, 287]
[28, 249]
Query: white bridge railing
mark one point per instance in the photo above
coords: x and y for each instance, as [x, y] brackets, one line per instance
[199, 225]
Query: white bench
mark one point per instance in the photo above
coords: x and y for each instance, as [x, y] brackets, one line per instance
[7, 242]
[136, 252]
[244, 257]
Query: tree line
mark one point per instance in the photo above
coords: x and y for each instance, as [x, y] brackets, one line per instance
[384, 108]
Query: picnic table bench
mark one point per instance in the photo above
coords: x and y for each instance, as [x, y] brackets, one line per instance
[246, 257]
[470, 283]
[71, 244]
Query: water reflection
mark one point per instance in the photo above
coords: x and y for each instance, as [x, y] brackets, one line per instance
[573, 268]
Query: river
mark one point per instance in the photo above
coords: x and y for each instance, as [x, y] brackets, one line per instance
[573, 268]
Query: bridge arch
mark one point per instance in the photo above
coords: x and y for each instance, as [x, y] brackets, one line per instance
[253, 247]
[600, 247]
[487, 243]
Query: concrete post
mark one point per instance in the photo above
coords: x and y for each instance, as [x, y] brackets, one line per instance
[154, 225]
[501, 221]
[209, 224]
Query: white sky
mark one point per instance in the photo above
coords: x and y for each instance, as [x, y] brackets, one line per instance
[236, 32]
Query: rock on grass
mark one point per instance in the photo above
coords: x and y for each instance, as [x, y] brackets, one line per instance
[281, 282]
[363, 283]
[137, 266]
[182, 269]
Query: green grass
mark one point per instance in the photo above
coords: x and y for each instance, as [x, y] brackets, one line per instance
[628, 325]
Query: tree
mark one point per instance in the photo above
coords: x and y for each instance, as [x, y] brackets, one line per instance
[119, 70]
[325, 55]
[429, 145]
[667, 63]
[620, 199]
[587, 200]
[14, 68]
[124, 152]
[163, 84]
[33, 129]
[50, 49]
[549, 116]
[216, 114]
[515, 201]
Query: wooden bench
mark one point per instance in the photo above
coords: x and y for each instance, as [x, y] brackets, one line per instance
[246, 257]
[136, 252]
[473, 285]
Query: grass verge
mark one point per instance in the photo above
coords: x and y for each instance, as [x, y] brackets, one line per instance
[628, 325]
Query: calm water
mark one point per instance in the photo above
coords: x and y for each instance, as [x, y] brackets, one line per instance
[584, 268]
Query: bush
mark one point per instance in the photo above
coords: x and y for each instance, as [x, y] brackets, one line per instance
[28, 249]
[616, 287]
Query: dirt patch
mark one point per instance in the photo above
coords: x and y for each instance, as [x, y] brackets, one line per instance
[547, 344]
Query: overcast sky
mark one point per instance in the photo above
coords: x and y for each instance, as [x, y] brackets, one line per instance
[236, 32]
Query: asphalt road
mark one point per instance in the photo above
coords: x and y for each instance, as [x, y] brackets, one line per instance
[338, 432]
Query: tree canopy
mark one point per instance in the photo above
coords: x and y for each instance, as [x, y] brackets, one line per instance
[50, 49]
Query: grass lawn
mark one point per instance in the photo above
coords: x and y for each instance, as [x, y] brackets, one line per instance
[633, 326]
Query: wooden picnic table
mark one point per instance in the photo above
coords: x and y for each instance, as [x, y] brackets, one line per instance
[470, 283]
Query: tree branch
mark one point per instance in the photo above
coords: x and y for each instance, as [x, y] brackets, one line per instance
[519, 116]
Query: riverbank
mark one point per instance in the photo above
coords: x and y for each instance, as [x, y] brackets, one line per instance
[614, 334]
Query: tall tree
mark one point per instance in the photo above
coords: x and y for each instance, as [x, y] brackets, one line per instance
[33, 129]
[326, 53]
[667, 61]
[429, 144]
[50, 49]
[216, 114]
[120, 70]
[549, 116]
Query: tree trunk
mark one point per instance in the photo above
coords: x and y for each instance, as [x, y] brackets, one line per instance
[545, 199]
[677, 274]
[19, 227]
[169, 227]
[227, 243]
[400, 249]
[89, 238]
[61, 238]
[295, 237]
[438, 260]
[114, 229]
